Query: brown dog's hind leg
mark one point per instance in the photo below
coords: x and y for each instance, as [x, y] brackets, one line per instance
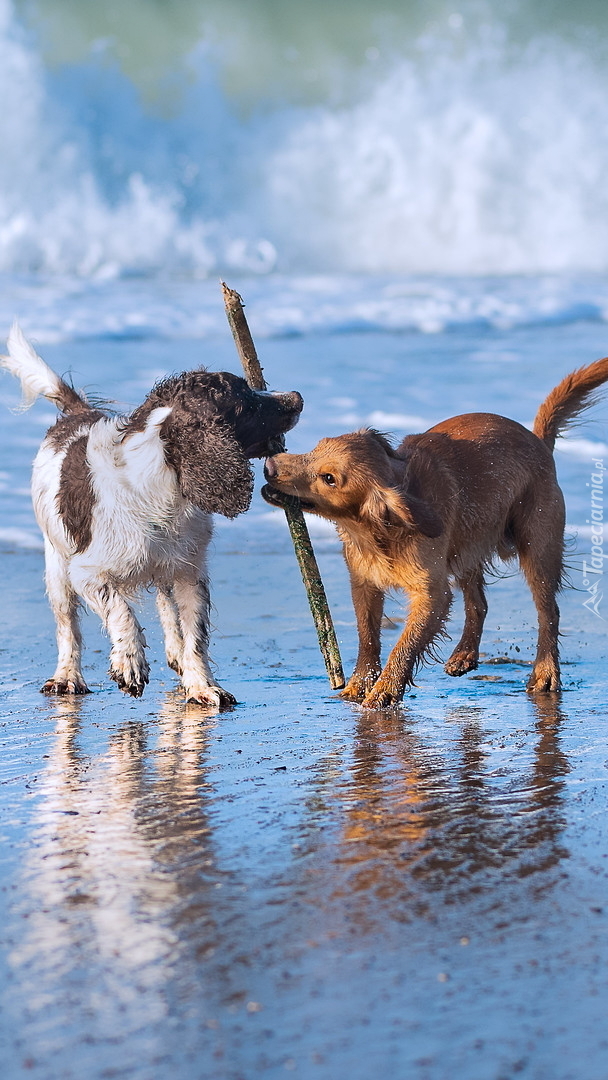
[540, 551]
[368, 602]
[465, 656]
[429, 609]
[545, 673]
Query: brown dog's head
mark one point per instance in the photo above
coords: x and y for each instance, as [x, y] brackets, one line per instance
[356, 477]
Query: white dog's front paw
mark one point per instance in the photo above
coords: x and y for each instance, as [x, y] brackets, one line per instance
[68, 684]
[130, 673]
[214, 697]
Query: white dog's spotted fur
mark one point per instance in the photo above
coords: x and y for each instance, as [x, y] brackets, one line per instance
[125, 503]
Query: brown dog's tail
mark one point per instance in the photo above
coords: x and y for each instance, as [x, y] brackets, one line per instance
[37, 379]
[565, 403]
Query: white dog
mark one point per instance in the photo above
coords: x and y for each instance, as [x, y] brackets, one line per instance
[124, 502]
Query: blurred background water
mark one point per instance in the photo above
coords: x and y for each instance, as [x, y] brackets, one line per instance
[195, 137]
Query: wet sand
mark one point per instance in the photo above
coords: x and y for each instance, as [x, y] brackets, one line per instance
[297, 885]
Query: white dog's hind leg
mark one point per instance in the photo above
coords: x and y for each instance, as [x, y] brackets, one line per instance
[64, 604]
[169, 618]
[128, 665]
[192, 599]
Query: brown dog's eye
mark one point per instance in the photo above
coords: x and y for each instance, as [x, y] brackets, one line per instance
[328, 479]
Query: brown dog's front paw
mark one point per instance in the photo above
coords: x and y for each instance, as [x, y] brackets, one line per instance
[382, 696]
[358, 686]
[352, 693]
[461, 662]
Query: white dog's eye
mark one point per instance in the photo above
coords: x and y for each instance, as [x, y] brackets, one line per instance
[328, 479]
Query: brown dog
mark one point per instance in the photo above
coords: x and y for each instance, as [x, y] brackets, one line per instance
[445, 503]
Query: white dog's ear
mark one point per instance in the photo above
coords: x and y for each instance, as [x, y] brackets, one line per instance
[212, 469]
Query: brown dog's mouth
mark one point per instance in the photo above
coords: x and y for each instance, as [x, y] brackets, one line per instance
[280, 498]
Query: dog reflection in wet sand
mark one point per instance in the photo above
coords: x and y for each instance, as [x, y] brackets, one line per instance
[442, 506]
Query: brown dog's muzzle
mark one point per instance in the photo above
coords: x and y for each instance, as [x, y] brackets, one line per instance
[275, 495]
[270, 468]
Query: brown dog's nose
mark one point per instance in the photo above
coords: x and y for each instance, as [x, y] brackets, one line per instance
[270, 468]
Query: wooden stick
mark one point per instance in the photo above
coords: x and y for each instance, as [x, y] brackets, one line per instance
[293, 512]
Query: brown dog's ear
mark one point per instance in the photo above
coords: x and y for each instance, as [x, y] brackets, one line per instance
[387, 506]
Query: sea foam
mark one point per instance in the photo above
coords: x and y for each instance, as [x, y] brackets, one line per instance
[455, 157]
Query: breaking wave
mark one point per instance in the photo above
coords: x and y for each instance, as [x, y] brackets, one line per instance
[462, 154]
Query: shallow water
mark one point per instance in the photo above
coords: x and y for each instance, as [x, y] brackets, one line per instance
[297, 885]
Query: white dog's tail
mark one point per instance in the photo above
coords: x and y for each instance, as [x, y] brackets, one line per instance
[37, 378]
